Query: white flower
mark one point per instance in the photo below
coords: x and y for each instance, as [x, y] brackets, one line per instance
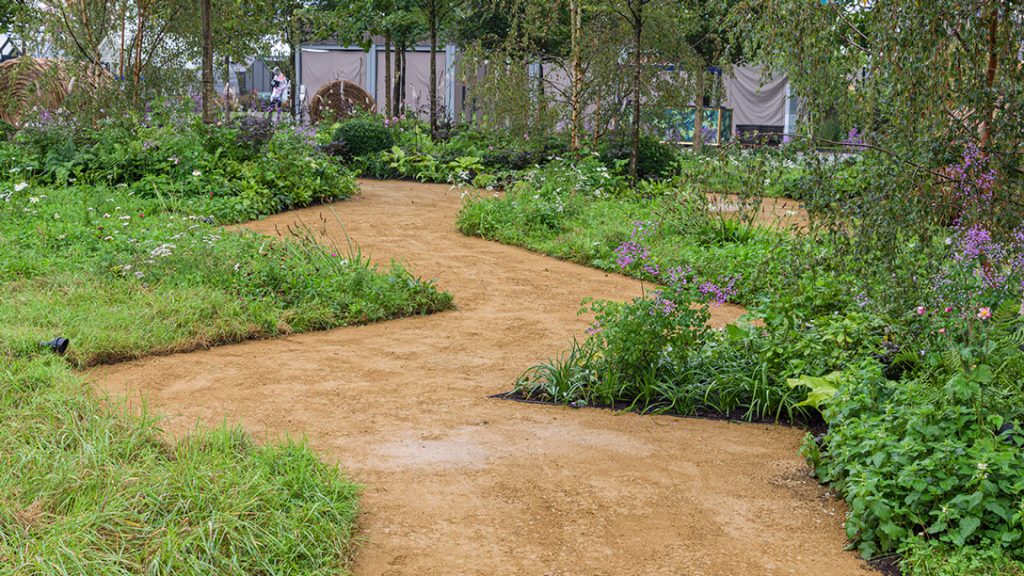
[162, 250]
[20, 186]
[32, 200]
[107, 215]
[56, 215]
[197, 173]
[138, 274]
[237, 266]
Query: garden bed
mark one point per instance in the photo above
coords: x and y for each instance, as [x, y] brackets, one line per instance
[128, 268]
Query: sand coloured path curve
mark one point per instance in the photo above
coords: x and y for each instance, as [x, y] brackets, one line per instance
[459, 483]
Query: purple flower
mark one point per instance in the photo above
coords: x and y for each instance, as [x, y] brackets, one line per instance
[975, 242]
[663, 305]
[633, 250]
[719, 294]
[862, 300]
[630, 252]
[678, 276]
[853, 139]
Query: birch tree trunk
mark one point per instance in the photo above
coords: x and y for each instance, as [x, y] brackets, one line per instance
[432, 16]
[576, 25]
[207, 62]
[638, 27]
[698, 109]
[387, 75]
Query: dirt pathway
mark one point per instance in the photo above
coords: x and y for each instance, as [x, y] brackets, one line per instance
[458, 483]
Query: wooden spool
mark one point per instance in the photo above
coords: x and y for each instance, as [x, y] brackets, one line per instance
[340, 96]
[43, 83]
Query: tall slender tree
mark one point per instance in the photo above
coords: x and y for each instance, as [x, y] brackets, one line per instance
[208, 94]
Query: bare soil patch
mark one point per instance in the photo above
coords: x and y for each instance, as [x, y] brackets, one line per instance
[784, 213]
[460, 483]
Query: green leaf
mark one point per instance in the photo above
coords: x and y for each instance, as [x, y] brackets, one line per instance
[968, 525]
[735, 332]
[822, 388]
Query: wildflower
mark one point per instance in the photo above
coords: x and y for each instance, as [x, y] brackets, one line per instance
[719, 294]
[20, 186]
[162, 250]
[33, 200]
[984, 313]
[921, 310]
[237, 266]
[197, 173]
[663, 305]
[56, 215]
[942, 330]
[947, 309]
[862, 300]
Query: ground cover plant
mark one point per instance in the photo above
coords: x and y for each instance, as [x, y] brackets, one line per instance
[112, 236]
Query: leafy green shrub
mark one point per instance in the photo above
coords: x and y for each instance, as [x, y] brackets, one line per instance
[255, 132]
[236, 172]
[364, 135]
[544, 200]
[937, 454]
[7, 130]
[655, 158]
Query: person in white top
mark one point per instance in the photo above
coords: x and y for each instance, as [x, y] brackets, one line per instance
[278, 90]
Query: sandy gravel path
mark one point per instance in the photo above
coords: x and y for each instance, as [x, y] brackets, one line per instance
[458, 483]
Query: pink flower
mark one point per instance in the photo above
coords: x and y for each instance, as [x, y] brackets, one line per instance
[942, 330]
[921, 310]
[947, 309]
[984, 313]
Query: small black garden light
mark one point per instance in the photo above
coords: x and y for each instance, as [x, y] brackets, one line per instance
[58, 345]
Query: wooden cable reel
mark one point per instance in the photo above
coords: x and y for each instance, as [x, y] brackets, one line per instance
[341, 97]
[43, 83]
